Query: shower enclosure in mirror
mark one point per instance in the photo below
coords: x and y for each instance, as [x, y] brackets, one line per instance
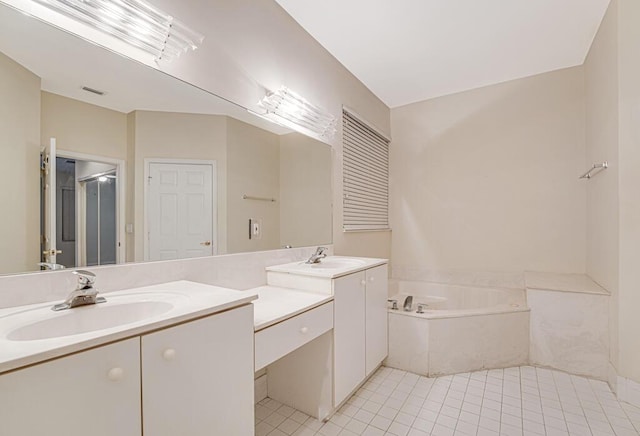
[149, 167]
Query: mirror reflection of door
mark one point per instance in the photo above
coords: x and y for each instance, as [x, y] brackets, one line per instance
[66, 211]
[98, 212]
[84, 224]
[180, 210]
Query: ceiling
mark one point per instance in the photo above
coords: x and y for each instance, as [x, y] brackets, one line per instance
[406, 51]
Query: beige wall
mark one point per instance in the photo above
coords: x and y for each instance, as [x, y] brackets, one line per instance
[178, 136]
[629, 187]
[19, 167]
[612, 70]
[83, 128]
[253, 169]
[487, 180]
[251, 45]
[305, 191]
[601, 93]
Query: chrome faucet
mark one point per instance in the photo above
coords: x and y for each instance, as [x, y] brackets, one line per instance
[408, 302]
[319, 254]
[84, 294]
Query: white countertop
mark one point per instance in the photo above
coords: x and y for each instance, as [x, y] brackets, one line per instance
[277, 304]
[353, 264]
[194, 300]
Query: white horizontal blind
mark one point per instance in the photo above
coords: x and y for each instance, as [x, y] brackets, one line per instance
[366, 176]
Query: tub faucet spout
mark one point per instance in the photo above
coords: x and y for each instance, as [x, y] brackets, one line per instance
[408, 302]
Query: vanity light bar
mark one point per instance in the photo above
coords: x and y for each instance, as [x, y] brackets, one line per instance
[134, 22]
[291, 110]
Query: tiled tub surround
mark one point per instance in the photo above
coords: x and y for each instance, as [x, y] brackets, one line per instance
[463, 329]
[569, 323]
[518, 401]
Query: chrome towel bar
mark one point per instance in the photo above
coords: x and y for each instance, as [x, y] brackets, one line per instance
[249, 197]
[595, 169]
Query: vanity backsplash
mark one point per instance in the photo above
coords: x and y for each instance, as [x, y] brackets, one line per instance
[237, 271]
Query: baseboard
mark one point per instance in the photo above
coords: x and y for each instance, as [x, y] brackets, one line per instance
[612, 378]
[260, 388]
[626, 390]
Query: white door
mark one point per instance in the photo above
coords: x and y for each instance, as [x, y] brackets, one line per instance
[49, 161]
[180, 211]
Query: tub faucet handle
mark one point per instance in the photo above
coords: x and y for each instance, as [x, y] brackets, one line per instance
[394, 304]
[420, 308]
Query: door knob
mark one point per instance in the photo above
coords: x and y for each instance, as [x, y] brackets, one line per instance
[206, 243]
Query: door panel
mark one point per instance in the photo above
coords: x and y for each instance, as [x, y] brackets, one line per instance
[66, 212]
[349, 334]
[77, 395]
[180, 211]
[376, 316]
[49, 242]
[198, 377]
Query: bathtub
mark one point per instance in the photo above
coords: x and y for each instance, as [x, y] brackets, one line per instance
[463, 328]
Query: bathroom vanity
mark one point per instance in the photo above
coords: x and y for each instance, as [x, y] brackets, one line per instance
[186, 370]
[320, 376]
[180, 357]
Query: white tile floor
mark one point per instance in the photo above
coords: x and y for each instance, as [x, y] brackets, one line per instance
[517, 401]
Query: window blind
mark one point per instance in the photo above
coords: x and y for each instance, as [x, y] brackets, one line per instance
[365, 176]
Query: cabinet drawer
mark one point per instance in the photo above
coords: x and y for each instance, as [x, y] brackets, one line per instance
[279, 340]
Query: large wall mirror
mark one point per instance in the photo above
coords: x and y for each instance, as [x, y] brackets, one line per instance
[105, 160]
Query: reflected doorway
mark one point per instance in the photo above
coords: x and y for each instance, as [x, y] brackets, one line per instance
[180, 209]
[86, 233]
[81, 216]
[98, 215]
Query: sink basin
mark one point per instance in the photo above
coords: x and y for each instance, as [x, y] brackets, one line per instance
[337, 264]
[42, 323]
[329, 267]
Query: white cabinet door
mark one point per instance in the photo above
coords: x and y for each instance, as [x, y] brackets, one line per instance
[376, 316]
[349, 334]
[96, 392]
[198, 377]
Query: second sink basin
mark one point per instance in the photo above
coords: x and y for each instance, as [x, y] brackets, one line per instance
[329, 267]
[333, 263]
[42, 323]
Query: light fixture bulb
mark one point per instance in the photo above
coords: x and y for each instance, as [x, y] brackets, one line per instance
[289, 109]
[137, 23]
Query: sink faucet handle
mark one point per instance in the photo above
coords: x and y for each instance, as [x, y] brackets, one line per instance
[86, 279]
[394, 304]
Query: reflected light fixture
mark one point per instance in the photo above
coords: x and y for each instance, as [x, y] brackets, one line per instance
[134, 22]
[289, 109]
